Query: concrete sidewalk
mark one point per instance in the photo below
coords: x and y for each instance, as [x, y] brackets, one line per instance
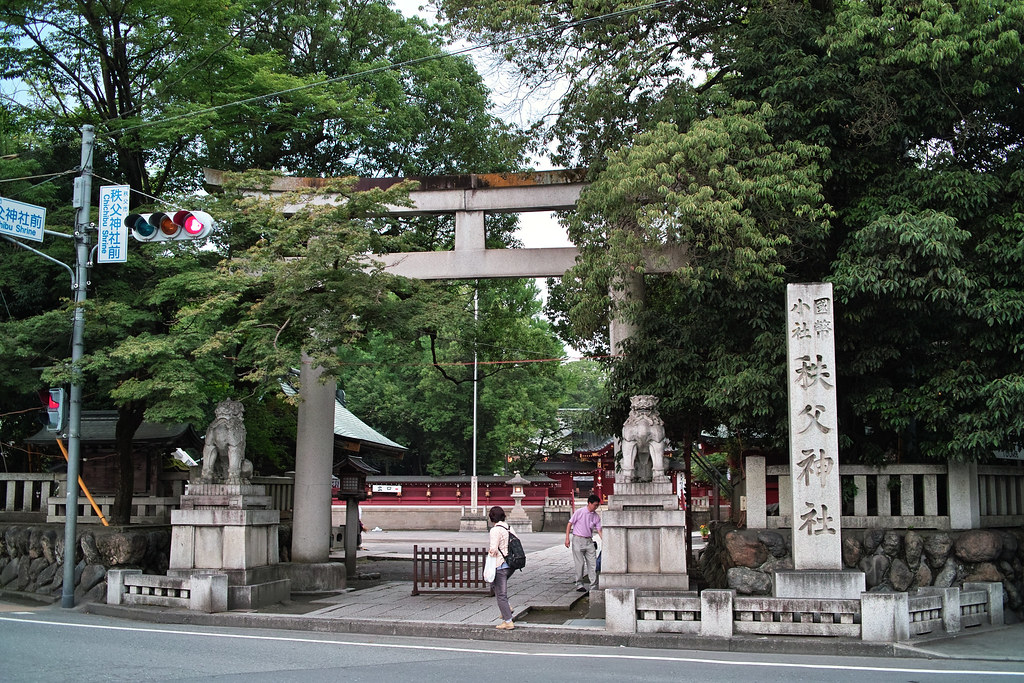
[545, 584]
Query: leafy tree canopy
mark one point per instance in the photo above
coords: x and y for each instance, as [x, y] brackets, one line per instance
[337, 89]
[898, 122]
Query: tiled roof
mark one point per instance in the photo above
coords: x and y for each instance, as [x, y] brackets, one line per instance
[349, 426]
[98, 427]
[589, 442]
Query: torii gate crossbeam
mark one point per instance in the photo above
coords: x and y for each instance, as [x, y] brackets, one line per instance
[469, 198]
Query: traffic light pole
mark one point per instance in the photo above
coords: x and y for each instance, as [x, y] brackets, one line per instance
[80, 281]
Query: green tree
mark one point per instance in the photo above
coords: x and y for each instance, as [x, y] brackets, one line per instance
[242, 85]
[252, 85]
[420, 390]
[742, 206]
[916, 110]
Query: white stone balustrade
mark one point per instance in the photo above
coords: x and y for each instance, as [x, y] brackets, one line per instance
[903, 496]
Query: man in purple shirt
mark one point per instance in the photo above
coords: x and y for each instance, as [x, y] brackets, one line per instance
[579, 535]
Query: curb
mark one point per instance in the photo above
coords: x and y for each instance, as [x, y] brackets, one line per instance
[528, 633]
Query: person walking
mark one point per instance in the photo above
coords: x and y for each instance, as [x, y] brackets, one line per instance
[579, 536]
[499, 549]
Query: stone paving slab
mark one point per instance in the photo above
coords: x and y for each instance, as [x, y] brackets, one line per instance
[545, 583]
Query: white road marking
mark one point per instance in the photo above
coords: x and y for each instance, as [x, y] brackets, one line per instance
[564, 655]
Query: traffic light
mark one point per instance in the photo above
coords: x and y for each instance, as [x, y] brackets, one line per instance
[56, 408]
[162, 227]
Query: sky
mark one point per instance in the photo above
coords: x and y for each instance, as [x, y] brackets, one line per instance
[537, 229]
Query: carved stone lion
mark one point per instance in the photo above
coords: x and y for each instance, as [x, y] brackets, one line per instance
[643, 431]
[225, 441]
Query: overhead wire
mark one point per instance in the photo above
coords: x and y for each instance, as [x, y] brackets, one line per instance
[562, 359]
[345, 77]
[50, 177]
[156, 200]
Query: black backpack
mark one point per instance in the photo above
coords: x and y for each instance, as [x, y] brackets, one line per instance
[516, 558]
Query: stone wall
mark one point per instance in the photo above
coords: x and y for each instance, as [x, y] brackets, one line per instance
[32, 558]
[431, 517]
[892, 561]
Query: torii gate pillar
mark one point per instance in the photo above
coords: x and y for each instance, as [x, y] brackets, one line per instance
[314, 458]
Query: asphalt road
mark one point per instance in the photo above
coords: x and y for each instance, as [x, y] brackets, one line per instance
[52, 644]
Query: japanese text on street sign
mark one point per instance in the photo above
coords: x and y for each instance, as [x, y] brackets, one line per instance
[19, 219]
[113, 237]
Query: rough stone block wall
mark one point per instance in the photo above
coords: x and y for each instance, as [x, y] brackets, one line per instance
[892, 561]
[32, 557]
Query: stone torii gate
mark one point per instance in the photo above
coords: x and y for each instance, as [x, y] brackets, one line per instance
[470, 198]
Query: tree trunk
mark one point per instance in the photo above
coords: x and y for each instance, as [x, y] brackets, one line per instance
[129, 418]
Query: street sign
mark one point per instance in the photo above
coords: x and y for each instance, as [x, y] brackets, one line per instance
[19, 219]
[113, 239]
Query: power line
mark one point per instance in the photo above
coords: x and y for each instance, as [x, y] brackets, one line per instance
[409, 62]
[563, 359]
[156, 200]
[50, 177]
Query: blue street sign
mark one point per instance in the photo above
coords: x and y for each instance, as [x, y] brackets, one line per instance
[19, 219]
[113, 233]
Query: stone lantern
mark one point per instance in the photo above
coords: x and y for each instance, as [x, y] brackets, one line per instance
[517, 519]
[352, 473]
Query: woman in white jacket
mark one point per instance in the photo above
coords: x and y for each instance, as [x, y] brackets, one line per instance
[499, 549]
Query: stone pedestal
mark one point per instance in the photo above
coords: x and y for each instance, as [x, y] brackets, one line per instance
[518, 520]
[644, 536]
[805, 583]
[228, 529]
[473, 521]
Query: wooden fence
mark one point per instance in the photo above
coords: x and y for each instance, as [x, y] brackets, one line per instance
[449, 570]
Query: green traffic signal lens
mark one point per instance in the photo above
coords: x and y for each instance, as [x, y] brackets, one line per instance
[140, 225]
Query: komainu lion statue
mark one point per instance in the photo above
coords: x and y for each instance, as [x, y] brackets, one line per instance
[643, 431]
[225, 441]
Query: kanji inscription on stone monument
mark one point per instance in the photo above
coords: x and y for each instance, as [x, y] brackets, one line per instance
[813, 427]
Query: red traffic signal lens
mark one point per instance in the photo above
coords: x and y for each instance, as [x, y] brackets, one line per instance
[195, 224]
[189, 222]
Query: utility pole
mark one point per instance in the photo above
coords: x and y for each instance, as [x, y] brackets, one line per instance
[473, 487]
[82, 201]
